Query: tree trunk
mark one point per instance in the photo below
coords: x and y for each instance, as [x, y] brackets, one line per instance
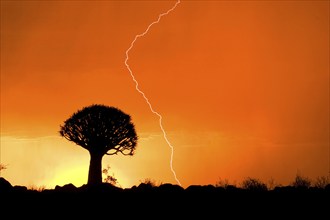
[95, 169]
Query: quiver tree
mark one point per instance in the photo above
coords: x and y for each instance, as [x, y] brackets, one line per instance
[101, 130]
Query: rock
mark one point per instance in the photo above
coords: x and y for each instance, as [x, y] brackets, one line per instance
[66, 188]
[5, 186]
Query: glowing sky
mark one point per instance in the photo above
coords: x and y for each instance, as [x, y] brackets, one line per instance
[243, 87]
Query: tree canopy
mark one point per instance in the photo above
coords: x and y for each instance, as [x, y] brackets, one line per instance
[101, 130]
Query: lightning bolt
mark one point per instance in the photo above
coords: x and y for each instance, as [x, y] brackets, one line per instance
[142, 93]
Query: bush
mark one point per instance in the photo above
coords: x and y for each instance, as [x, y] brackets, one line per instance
[301, 182]
[321, 182]
[2, 166]
[36, 188]
[254, 185]
[150, 182]
[223, 183]
[272, 184]
[109, 178]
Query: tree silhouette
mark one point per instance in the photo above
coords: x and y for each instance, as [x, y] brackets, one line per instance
[101, 130]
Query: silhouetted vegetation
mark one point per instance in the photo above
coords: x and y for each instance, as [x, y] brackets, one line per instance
[36, 188]
[248, 184]
[321, 182]
[2, 166]
[301, 182]
[150, 182]
[102, 130]
[251, 199]
[109, 178]
[224, 183]
[253, 184]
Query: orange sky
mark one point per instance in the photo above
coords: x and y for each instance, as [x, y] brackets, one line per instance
[243, 87]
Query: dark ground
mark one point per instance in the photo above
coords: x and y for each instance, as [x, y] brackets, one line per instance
[162, 202]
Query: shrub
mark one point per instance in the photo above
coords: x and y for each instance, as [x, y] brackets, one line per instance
[321, 182]
[149, 182]
[2, 166]
[224, 183]
[301, 182]
[36, 188]
[109, 178]
[272, 184]
[253, 184]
